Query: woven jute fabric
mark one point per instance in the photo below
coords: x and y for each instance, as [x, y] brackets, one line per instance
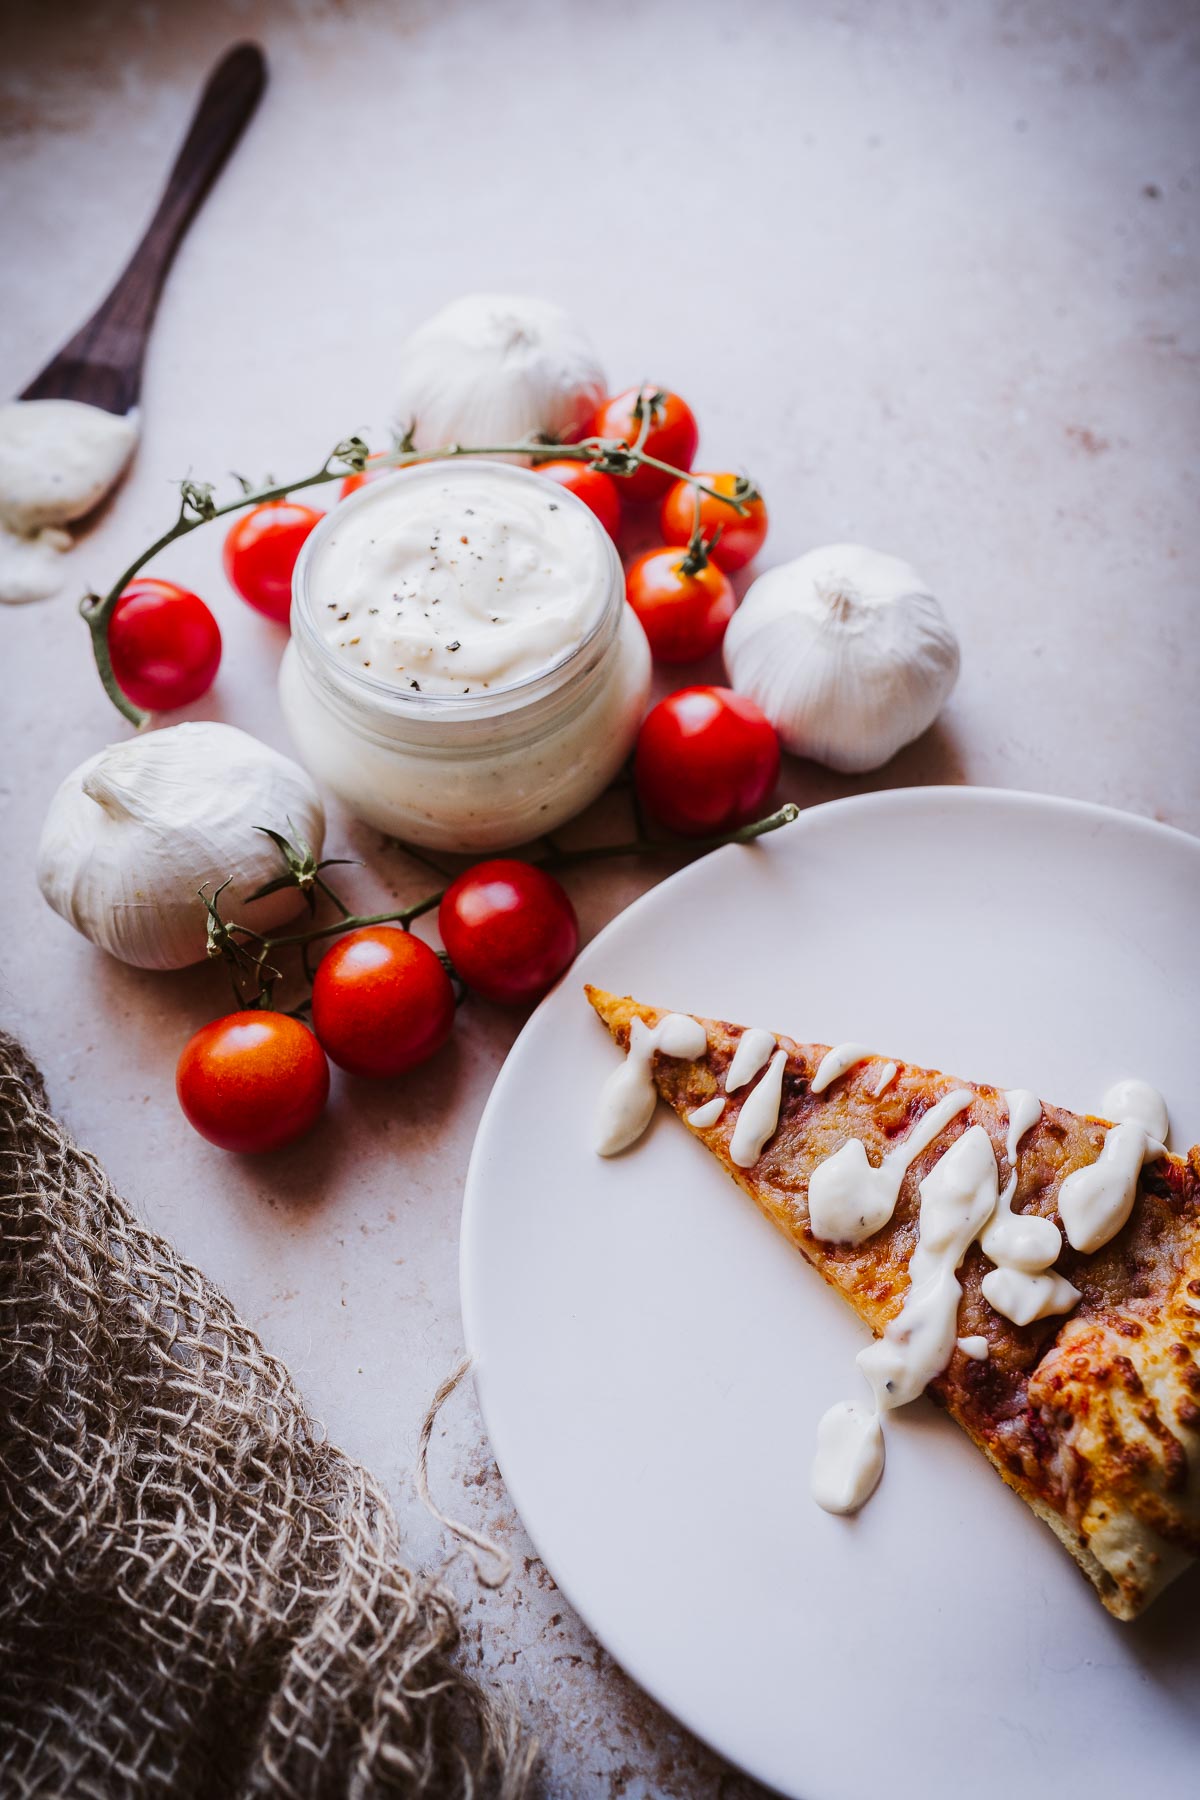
[199, 1596]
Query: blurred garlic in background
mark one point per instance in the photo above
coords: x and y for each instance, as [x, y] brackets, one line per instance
[495, 368]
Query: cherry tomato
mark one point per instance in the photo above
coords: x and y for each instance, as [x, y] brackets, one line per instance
[706, 760]
[673, 435]
[742, 534]
[261, 551]
[252, 1081]
[382, 1001]
[592, 486]
[164, 643]
[510, 930]
[683, 615]
[352, 483]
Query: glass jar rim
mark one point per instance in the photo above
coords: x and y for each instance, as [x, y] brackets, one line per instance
[416, 704]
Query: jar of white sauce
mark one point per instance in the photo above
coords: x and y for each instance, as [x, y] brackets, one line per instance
[463, 669]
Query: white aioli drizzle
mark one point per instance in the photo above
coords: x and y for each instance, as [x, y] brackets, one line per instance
[835, 1063]
[628, 1097]
[887, 1075]
[1134, 1102]
[753, 1050]
[974, 1347]
[759, 1115]
[708, 1114]
[957, 1198]
[849, 1199]
[1022, 1245]
[1094, 1203]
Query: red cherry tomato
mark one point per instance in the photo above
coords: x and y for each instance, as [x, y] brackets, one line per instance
[741, 534]
[510, 930]
[706, 760]
[252, 1081]
[382, 1001]
[683, 615]
[673, 435]
[261, 551]
[164, 643]
[592, 486]
[352, 483]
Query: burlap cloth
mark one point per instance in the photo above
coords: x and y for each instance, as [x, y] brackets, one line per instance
[198, 1594]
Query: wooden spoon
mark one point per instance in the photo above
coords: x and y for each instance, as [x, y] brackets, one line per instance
[102, 364]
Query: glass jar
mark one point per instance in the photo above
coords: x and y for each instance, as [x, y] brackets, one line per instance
[470, 772]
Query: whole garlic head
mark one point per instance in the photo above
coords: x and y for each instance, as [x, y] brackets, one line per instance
[846, 651]
[134, 832]
[493, 369]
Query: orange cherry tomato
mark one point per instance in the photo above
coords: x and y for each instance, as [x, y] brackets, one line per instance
[382, 1001]
[673, 435]
[596, 489]
[252, 1080]
[683, 614]
[261, 551]
[741, 534]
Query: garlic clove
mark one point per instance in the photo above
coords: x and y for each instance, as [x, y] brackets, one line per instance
[133, 834]
[496, 368]
[846, 651]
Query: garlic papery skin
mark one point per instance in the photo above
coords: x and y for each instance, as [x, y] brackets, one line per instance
[496, 368]
[133, 834]
[846, 651]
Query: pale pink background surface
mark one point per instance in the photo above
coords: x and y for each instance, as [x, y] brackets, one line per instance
[928, 271]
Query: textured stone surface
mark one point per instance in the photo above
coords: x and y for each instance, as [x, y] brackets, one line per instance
[927, 270]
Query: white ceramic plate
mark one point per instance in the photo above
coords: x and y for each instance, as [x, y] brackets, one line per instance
[652, 1357]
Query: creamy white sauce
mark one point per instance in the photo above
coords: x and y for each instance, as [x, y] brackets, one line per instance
[1134, 1102]
[460, 580]
[887, 1075]
[835, 1063]
[974, 1347]
[958, 1196]
[58, 459]
[31, 566]
[1094, 1203]
[708, 1114]
[751, 1054]
[1022, 1245]
[849, 1459]
[759, 1115]
[849, 1199]
[629, 1096]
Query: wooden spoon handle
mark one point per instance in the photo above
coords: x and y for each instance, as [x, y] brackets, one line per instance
[103, 361]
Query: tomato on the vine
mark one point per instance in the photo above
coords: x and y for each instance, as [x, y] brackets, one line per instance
[510, 930]
[684, 609]
[706, 760]
[261, 551]
[252, 1080]
[673, 435]
[596, 489]
[164, 644]
[382, 1001]
[736, 538]
[376, 470]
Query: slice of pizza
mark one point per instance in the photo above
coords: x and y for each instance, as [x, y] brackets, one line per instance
[1036, 1271]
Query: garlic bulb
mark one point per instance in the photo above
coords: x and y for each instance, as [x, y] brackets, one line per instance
[846, 651]
[134, 832]
[493, 369]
